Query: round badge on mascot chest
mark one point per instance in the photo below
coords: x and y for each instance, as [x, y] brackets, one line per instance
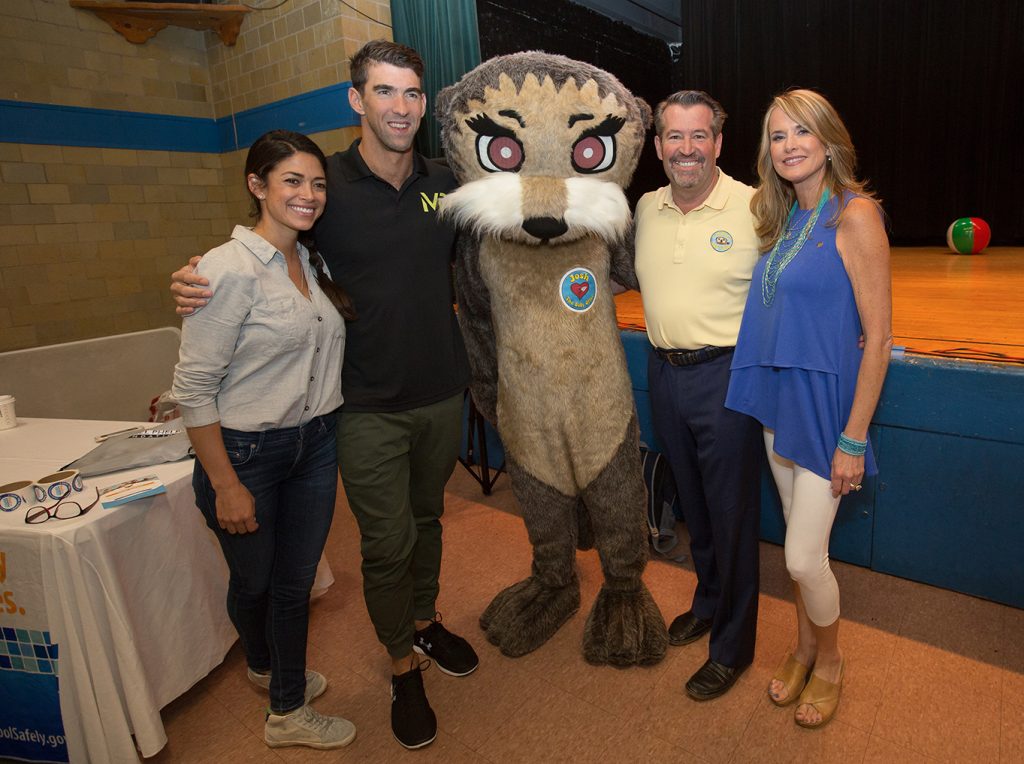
[578, 289]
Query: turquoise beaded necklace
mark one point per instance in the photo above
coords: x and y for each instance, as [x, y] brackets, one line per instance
[778, 260]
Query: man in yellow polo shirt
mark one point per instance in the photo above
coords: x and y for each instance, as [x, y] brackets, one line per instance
[695, 251]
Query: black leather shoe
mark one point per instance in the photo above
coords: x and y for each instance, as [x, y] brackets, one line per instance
[687, 628]
[711, 680]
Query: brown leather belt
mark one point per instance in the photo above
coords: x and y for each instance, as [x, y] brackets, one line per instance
[691, 357]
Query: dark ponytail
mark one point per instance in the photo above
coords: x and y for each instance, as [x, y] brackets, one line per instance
[339, 297]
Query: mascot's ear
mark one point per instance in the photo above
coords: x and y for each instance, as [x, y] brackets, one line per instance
[441, 104]
[645, 113]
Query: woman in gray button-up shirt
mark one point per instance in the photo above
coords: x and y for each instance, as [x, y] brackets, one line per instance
[258, 381]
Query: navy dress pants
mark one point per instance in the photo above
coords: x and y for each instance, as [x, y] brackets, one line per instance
[715, 456]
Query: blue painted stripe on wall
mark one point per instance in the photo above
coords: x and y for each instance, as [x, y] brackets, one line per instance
[312, 112]
[22, 122]
[315, 111]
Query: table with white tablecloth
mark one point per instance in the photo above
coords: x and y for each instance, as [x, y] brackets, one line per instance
[123, 609]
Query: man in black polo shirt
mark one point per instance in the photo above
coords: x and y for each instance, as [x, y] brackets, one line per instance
[405, 369]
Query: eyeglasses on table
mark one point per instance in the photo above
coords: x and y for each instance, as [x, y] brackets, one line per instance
[66, 508]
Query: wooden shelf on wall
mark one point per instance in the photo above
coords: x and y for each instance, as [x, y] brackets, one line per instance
[137, 22]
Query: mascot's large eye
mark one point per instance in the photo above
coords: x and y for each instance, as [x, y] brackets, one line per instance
[499, 153]
[593, 153]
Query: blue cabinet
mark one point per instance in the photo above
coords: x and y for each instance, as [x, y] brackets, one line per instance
[947, 507]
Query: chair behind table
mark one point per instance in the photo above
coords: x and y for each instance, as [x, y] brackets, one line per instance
[112, 378]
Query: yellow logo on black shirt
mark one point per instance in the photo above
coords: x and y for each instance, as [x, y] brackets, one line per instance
[430, 202]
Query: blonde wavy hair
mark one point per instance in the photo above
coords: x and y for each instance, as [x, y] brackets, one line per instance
[775, 196]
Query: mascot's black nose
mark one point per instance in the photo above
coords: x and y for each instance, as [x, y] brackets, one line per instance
[545, 228]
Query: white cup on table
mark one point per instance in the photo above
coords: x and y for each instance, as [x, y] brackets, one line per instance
[7, 416]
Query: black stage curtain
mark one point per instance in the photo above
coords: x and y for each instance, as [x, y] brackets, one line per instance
[931, 90]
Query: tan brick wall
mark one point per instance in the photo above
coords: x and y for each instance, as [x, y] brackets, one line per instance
[89, 236]
[53, 53]
[300, 46]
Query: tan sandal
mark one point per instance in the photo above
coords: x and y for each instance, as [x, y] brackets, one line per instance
[793, 674]
[823, 696]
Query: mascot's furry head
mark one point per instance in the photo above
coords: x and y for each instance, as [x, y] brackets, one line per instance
[543, 146]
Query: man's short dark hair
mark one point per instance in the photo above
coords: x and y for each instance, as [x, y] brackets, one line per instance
[382, 52]
[691, 98]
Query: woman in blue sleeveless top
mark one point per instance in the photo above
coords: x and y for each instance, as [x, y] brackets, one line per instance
[800, 370]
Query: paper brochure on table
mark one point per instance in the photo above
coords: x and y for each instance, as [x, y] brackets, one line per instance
[130, 490]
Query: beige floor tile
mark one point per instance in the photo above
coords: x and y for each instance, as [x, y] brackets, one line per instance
[773, 736]
[637, 748]
[672, 585]
[199, 728]
[472, 708]
[868, 653]
[954, 622]
[340, 629]
[871, 598]
[229, 684]
[772, 645]
[776, 614]
[916, 712]
[903, 641]
[553, 726]
[1013, 686]
[1011, 649]
[922, 669]
[709, 730]
[883, 752]
[1011, 736]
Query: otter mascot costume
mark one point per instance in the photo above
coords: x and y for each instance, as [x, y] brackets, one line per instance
[543, 146]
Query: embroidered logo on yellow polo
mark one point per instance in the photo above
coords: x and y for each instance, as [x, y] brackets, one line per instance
[721, 241]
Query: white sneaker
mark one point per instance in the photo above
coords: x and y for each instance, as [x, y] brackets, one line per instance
[316, 683]
[304, 726]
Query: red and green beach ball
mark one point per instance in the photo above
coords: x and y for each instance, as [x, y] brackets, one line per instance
[968, 236]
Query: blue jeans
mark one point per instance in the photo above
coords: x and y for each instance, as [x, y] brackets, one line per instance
[292, 474]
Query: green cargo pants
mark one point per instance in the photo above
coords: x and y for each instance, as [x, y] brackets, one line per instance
[394, 467]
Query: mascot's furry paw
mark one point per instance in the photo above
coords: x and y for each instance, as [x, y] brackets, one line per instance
[526, 615]
[625, 629]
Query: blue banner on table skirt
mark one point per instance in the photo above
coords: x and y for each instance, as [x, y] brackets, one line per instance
[31, 728]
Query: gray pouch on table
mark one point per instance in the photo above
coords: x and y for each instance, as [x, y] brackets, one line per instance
[166, 442]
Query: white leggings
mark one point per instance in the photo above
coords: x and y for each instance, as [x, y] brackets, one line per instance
[809, 510]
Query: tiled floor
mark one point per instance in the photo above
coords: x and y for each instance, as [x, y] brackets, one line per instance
[932, 675]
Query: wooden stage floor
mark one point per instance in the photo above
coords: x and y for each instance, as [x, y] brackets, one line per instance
[952, 306]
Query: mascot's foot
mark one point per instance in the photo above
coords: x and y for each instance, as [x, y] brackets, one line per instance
[625, 629]
[526, 615]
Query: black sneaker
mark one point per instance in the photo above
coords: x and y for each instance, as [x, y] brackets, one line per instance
[412, 719]
[452, 654]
